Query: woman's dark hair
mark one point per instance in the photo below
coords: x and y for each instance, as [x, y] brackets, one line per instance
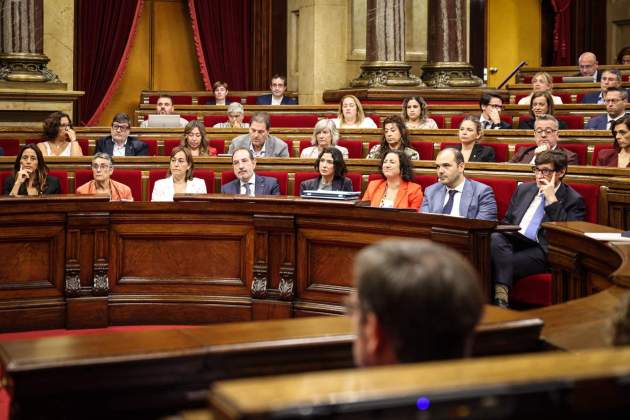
[338, 161]
[39, 181]
[189, 159]
[623, 120]
[622, 52]
[423, 107]
[404, 135]
[52, 124]
[548, 98]
[406, 169]
[203, 147]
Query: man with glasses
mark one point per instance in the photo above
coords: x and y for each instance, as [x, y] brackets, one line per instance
[102, 170]
[523, 253]
[119, 143]
[546, 137]
[276, 97]
[616, 100]
[235, 113]
[610, 78]
[587, 63]
[491, 106]
[416, 301]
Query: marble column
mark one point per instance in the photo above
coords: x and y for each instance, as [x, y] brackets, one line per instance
[21, 43]
[385, 64]
[447, 62]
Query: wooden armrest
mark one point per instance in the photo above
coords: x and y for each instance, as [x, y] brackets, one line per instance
[508, 228]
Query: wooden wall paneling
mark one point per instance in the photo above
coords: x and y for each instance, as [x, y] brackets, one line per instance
[261, 57]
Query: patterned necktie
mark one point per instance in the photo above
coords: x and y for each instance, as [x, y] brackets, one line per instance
[248, 189]
[449, 204]
[532, 229]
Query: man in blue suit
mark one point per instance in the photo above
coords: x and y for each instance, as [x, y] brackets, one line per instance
[247, 182]
[616, 99]
[454, 194]
[276, 97]
[610, 78]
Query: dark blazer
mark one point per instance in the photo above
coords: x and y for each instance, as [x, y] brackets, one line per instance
[52, 186]
[528, 124]
[480, 153]
[591, 98]
[338, 184]
[599, 122]
[1, 151]
[526, 154]
[266, 100]
[477, 200]
[608, 157]
[501, 126]
[133, 147]
[265, 185]
[569, 207]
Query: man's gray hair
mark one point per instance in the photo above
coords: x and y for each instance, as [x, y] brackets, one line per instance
[235, 107]
[547, 117]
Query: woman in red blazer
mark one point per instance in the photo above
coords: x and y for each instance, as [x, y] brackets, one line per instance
[619, 156]
[396, 189]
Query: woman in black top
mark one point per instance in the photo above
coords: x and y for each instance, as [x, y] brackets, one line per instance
[30, 175]
[541, 104]
[470, 132]
[332, 171]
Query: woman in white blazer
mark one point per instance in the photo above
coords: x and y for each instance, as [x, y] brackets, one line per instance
[179, 179]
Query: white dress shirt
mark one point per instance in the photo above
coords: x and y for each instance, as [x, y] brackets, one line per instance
[164, 189]
[119, 150]
[529, 214]
[252, 186]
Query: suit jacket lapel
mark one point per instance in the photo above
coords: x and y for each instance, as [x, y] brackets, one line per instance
[464, 202]
[438, 202]
[529, 192]
[260, 185]
[402, 194]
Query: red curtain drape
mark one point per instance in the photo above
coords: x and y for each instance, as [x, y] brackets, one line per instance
[221, 35]
[562, 32]
[105, 33]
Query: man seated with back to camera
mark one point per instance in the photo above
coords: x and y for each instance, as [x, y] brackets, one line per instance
[520, 254]
[415, 301]
[247, 182]
[120, 143]
[456, 195]
[258, 140]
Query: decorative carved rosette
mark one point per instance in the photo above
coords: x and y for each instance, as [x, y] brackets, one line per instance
[72, 280]
[101, 279]
[259, 285]
[285, 288]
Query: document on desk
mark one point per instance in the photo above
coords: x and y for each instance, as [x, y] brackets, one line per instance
[606, 236]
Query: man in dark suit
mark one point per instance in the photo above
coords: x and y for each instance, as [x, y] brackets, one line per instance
[546, 137]
[587, 63]
[491, 105]
[523, 253]
[276, 97]
[616, 100]
[456, 195]
[416, 301]
[247, 182]
[120, 143]
[610, 78]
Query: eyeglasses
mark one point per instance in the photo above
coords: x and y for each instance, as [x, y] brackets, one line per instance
[544, 171]
[102, 166]
[118, 127]
[546, 131]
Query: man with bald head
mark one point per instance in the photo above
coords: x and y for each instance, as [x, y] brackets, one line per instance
[587, 63]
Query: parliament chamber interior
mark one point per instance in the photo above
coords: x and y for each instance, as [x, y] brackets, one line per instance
[227, 209]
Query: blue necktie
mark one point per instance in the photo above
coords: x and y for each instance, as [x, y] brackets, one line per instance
[449, 204]
[534, 224]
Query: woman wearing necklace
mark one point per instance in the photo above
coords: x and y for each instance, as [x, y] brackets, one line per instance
[332, 171]
[396, 189]
[395, 137]
[470, 132]
[61, 140]
[30, 175]
[179, 179]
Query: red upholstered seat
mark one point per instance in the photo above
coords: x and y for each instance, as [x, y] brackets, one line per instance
[573, 122]
[251, 99]
[281, 177]
[425, 180]
[579, 149]
[536, 289]
[154, 175]
[11, 146]
[177, 99]
[293, 120]
[152, 143]
[500, 150]
[304, 144]
[218, 144]
[356, 181]
[566, 97]
[376, 119]
[85, 146]
[519, 97]
[503, 190]
[169, 145]
[3, 175]
[597, 149]
[424, 148]
[130, 177]
[355, 148]
[579, 97]
[189, 117]
[439, 120]
[63, 180]
[203, 100]
[301, 177]
[210, 120]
